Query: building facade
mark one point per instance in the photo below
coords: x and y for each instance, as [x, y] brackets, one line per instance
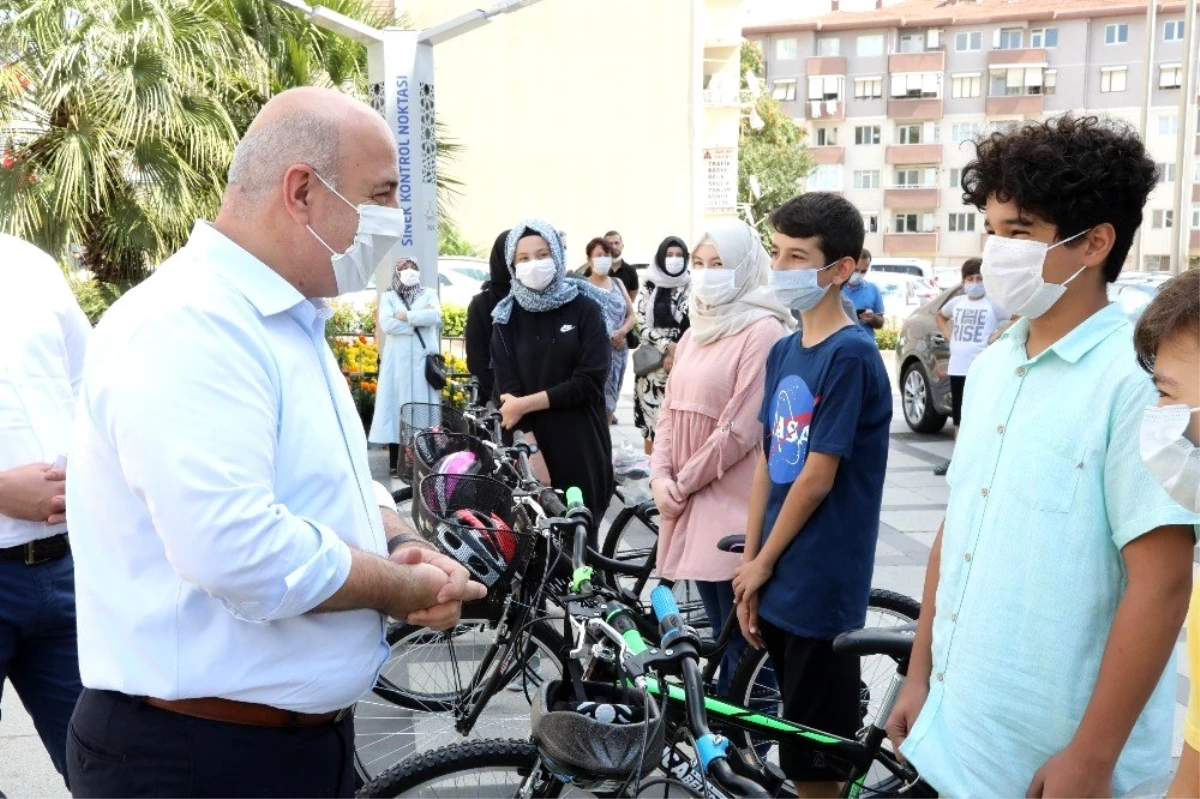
[593, 115]
[893, 94]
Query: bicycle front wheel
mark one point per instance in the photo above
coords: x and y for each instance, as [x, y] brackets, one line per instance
[494, 768]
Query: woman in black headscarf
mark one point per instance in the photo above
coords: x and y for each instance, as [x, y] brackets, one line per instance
[662, 313]
[479, 320]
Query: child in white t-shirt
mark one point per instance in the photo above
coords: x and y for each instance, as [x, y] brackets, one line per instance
[969, 322]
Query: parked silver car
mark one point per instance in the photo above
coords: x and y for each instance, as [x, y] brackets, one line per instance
[923, 354]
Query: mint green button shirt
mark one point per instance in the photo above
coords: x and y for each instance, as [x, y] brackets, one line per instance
[1046, 487]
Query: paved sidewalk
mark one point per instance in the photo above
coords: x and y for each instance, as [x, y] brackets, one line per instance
[913, 505]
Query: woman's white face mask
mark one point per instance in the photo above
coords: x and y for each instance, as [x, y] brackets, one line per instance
[536, 275]
[410, 277]
[713, 286]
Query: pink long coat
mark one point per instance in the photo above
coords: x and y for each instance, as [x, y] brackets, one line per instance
[708, 439]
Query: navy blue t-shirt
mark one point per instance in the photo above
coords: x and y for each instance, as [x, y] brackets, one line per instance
[833, 398]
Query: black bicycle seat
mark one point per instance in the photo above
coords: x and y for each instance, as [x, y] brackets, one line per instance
[732, 543]
[895, 642]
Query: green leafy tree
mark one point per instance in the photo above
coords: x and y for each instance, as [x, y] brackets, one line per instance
[771, 148]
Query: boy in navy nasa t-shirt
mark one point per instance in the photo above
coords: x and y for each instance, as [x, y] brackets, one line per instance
[815, 502]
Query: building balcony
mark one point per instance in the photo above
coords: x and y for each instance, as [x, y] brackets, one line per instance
[1194, 240]
[825, 110]
[825, 65]
[828, 155]
[910, 243]
[913, 109]
[733, 98]
[1030, 56]
[912, 198]
[913, 154]
[1029, 105]
[1196, 192]
[932, 61]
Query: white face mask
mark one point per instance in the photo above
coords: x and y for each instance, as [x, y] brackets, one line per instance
[602, 264]
[673, 265]
[379, 228]
[536, 275]
[1171, 458]
[975, 290]
[798, 288]
[410, 277]
[1012, 274]
[857, 278]
[713, 286]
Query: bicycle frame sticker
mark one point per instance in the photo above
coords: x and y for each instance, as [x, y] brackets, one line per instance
[684, 770]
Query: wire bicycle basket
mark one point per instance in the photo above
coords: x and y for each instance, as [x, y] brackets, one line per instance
[475, 520]
[418, 416]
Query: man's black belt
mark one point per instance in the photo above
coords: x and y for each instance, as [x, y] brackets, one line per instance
[42, 550]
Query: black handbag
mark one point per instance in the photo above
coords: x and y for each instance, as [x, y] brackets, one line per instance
[435, 362]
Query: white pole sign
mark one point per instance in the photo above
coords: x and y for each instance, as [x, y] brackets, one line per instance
[720, 171]
[400, 71]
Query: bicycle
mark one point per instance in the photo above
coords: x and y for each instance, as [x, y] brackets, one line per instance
[608, 633]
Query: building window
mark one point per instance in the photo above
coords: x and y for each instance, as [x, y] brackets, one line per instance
[912, 43]
[1162, 219]
[867, 134]
[1196, 217]
[1016, 81]
[1170, 76]
[967, 85]
[829, 46]
[1157, 263]
[917, 84]
[1166, 172]
[1010, 39]
[785, 90]
[914, 223]
[908, 134]
[869, 45]
[826, 177]
[1043, 37]
[866, 178]
[825, 87]
[1050, 81]
[916, 178]
[1005, 126]
[871, 223]
[962, 223]
[786, 50]
[968, 42]
[826, 137]
[963, 131]
[1173, 31]
[1112, 79]
[1168, 125]
[1116, 34]
[955, 178]
[868, 88]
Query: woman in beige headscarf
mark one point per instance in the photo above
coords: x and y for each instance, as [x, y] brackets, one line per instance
[708, 434]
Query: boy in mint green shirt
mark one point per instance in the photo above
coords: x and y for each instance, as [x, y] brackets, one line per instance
[1060, 578]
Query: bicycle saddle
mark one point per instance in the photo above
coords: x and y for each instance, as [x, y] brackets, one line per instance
[895, 642]
[732, 543]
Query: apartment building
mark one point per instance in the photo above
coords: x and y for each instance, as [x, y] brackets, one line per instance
[596, 115]
[892, 94]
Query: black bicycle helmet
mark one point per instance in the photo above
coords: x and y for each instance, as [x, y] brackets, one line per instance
[471, 542]
[602, 738]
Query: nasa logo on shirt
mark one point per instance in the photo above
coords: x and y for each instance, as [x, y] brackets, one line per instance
[791, 413]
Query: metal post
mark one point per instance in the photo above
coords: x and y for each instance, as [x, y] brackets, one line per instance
[1185, 146]
[1144, 124]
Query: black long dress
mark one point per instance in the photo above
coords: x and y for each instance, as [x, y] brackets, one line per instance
[478, 333]
[564, 352]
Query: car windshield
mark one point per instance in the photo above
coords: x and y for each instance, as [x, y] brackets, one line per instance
[900, 269]
[891, 289]
[1133, 298]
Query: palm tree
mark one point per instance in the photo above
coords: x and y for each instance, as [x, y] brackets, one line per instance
[117, 135]
[118, 118]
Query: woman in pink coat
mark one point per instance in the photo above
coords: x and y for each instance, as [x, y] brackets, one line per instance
[708, 434]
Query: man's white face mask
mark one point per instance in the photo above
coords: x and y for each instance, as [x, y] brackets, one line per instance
[379, 228]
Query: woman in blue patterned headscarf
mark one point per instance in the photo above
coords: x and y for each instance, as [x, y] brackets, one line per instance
[550, 356]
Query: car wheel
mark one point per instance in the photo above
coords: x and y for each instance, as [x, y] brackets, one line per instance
[917, 399]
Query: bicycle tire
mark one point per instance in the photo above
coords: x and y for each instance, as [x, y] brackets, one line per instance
[410, 777]
[405, 637]
[745, 688]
